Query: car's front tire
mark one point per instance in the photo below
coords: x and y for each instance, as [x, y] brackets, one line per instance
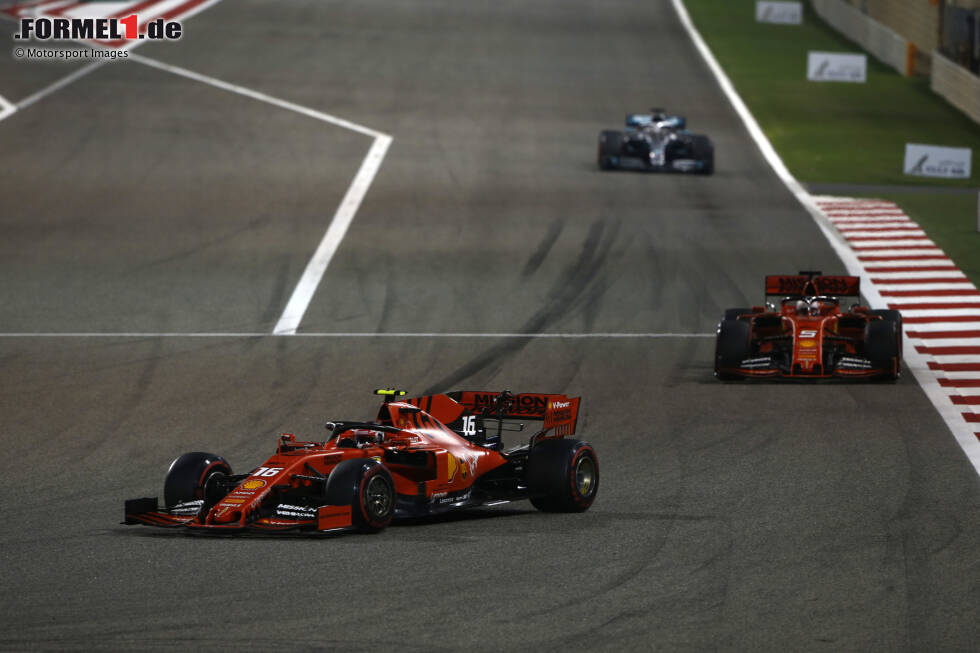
[367, 487]
[882, 348]
[889, 315]
[188, 476]
[610, 149]
[732, 346]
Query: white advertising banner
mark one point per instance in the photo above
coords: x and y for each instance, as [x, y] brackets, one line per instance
[783, 13]
[836, 67]
[935, 161]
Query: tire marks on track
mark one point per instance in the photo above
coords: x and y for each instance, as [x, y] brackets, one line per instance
[569, 292]
[544, 247]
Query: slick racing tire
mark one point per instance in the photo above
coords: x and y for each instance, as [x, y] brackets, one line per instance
[367, 487]
[881, 347]
[610, 149]
[704, 151]
[188, 477]
[891, 316]
[732, 346]
[562, 475]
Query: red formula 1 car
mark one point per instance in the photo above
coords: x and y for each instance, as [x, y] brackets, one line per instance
[421, 456]
[809, 335]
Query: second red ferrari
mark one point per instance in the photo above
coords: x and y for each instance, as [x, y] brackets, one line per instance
[808, 334]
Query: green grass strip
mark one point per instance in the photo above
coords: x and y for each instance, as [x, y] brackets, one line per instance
[832, 132]
[829, 131]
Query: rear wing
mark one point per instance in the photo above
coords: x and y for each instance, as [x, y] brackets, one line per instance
[559, 413]
[640, 120]
[807, 285]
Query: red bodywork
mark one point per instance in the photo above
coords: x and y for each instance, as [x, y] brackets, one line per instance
[421, 441]
[808, 335]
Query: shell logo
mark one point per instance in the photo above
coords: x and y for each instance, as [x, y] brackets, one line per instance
[253, 484]
[808, 344]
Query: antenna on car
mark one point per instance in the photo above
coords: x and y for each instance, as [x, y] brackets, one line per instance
[811, 273]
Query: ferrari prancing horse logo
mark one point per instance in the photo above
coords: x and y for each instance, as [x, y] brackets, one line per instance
[456, 464]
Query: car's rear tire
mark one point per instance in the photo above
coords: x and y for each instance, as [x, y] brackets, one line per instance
[610, 149]
[366, 486]
[881, 348]
[188, 476]
[732, 346]
[562, 475]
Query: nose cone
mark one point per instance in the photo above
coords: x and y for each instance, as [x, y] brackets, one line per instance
[225, 515]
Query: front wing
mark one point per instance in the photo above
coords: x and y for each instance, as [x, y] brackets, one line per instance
[846, 367]
[286, 518]
[677, 165]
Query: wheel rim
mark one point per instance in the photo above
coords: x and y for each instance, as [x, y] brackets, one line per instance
[377, 497]
[585, 476]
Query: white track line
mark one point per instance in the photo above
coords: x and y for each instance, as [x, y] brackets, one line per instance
[57, 85]
[313, 274]
[941, 264]
[303, 293]
[300, 299]
[952, 414]
[889, 234]
[536, 336]
[768, 151]
[886, 284]
[6, 108]
[256, 95]
[292, 315]
[892, 253]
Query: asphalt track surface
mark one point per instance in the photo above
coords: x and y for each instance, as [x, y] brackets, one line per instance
[730, 516]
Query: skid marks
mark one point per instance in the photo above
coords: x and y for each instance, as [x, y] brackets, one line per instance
[568, 294]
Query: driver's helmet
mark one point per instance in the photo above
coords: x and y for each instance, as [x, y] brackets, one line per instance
[367, 437]
[814, 306]
[802, 307]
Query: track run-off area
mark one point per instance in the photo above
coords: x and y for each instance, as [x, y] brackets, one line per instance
[246, 231]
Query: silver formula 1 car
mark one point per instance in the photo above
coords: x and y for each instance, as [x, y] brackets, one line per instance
[657, 142]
